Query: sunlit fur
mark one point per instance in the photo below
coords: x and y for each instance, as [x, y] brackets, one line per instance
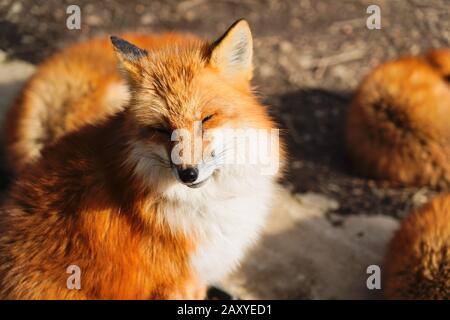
[76, 86]
[103, 196]
[417, 265]
[398, 123]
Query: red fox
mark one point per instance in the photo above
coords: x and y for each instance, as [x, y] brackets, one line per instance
[98, 187]
[398, 122]
[417, 265]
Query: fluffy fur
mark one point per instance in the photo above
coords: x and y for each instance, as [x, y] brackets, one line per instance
[417, 265]
[398, 123]
[103, 196]
[77, 86]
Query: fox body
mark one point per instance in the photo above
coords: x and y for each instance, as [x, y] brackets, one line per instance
[418, 261]
[398, 122]
[97, 186]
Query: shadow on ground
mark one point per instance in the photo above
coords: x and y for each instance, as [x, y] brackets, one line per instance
[314, 122]
[8, 92]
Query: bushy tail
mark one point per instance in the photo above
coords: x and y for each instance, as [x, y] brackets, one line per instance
[417, 264]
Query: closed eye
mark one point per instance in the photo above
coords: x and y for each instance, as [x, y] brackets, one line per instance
[150, 131]
[207, 118]
[163, 131]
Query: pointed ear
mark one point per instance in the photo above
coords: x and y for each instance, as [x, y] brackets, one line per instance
[232, 53]
[129, 55]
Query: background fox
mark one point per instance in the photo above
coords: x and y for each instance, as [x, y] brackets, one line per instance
[418, 259]
[398, 123]
[106, 196]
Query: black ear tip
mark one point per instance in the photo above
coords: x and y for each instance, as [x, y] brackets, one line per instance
[115, 40]
[127, 49]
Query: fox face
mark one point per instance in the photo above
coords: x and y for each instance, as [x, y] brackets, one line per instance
[184, 98]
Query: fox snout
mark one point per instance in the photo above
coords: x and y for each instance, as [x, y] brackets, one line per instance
[193, 176]
[188, 174]
[190, 158]
[190, 165]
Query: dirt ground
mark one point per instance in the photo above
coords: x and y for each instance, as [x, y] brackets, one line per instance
[309, 57]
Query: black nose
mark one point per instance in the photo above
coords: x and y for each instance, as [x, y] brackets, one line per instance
[188, 175]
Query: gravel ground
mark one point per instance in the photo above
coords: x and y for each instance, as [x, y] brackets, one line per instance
[309, 57]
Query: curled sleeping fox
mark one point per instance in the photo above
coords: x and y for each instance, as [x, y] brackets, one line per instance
[397, 125]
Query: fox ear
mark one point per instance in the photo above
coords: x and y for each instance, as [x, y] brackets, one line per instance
[129, 55]
[232, 53]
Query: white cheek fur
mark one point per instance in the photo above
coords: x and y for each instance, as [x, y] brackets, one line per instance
[225, 214]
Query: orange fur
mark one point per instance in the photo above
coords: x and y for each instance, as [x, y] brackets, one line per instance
[398, 124]
[79, 206]
[69, 90]
[417, 265]
[78, 199]
[440, 60]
